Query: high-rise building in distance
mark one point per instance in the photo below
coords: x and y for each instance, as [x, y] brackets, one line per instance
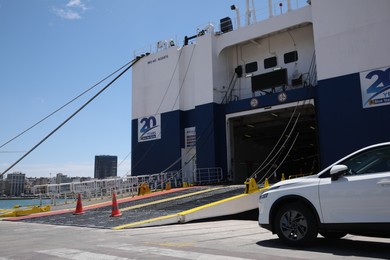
[105, 166]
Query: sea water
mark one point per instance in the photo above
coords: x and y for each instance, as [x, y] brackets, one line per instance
[9, 204]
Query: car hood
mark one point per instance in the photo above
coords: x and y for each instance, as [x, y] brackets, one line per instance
[296, 181]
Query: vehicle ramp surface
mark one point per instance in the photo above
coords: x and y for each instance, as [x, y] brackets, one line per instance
[160, 208]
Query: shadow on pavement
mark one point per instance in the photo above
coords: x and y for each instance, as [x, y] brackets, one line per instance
[341, 247]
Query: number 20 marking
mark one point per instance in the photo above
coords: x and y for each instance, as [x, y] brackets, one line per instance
[383, 77]
[148, 123]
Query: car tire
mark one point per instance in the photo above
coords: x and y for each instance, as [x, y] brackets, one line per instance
[332, 235]
[296, 225]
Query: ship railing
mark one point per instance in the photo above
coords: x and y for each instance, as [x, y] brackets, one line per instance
[257, 14]
[205, 176]
[158, 181]
[262, 12]
[158, 46]
[229, 92]
[312, 74]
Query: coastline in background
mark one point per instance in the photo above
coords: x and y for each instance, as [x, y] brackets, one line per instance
[9, 204]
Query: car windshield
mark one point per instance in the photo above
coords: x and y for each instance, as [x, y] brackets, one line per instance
[371, 161]
[374, 160]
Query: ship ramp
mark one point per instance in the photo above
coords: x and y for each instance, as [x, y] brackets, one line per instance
[174, 206]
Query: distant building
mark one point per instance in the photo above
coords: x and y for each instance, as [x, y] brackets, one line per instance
[62, 178]
[41, 181]
[2, 185]
[81, 179]
[14, 184]
[105, 166]
[28, 184]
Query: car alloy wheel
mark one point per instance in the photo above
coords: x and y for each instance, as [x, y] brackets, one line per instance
[295, 225]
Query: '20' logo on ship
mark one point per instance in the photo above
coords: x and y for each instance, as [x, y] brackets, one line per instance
[148, 127]
[379, 87]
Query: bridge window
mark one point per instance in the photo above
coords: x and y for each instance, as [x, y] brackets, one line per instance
[251, 67]
[290, 57]
[270, 62]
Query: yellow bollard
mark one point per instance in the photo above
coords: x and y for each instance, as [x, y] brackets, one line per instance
[251, 186]
[144, 189]
[283, 177]
[266, 183]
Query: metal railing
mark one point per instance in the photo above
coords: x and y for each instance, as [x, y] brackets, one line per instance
[258, 14]
[208, 176]
[229, 92]
[105, 187]
[312, 78]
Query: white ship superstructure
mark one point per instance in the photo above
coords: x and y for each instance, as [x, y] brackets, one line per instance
[286, 94]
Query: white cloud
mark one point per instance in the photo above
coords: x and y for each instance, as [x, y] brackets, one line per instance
[67, 14]
[71, 11]
[76, 4]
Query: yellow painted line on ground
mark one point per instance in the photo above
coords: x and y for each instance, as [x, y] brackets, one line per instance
[144, 222]
[180, 214]
[219, 202]
[177, 215]
[213, 204]
[168, 199]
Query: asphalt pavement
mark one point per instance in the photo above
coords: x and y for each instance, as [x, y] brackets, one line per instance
[224, 239]
[220, 238]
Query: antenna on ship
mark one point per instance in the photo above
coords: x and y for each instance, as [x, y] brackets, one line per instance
[270, 14]
[235, 8]
[250, 12]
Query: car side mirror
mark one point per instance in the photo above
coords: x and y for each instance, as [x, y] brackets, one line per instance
[337, 171]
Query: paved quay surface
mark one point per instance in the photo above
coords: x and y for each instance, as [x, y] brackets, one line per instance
[227, 239]
[219, 238]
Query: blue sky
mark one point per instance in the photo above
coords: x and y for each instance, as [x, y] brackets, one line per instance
[53, 50]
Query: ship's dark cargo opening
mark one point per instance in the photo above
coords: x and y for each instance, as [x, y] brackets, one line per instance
[270, 139]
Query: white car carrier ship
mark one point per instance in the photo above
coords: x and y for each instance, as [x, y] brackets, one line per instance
[259, 96]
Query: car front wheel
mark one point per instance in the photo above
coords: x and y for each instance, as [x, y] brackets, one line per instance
[295, 225]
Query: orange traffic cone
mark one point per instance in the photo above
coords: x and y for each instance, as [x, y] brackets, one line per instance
[115, 210]
[79, 206]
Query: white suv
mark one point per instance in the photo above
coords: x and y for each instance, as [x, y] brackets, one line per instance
[350, 196]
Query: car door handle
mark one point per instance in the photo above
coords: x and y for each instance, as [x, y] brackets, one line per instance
[384, 182]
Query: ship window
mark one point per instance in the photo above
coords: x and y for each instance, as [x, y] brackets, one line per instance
[290, 57]
[270, 62]
[251, 67]
[269, 80]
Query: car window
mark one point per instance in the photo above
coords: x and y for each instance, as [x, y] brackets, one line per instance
[371, 161]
